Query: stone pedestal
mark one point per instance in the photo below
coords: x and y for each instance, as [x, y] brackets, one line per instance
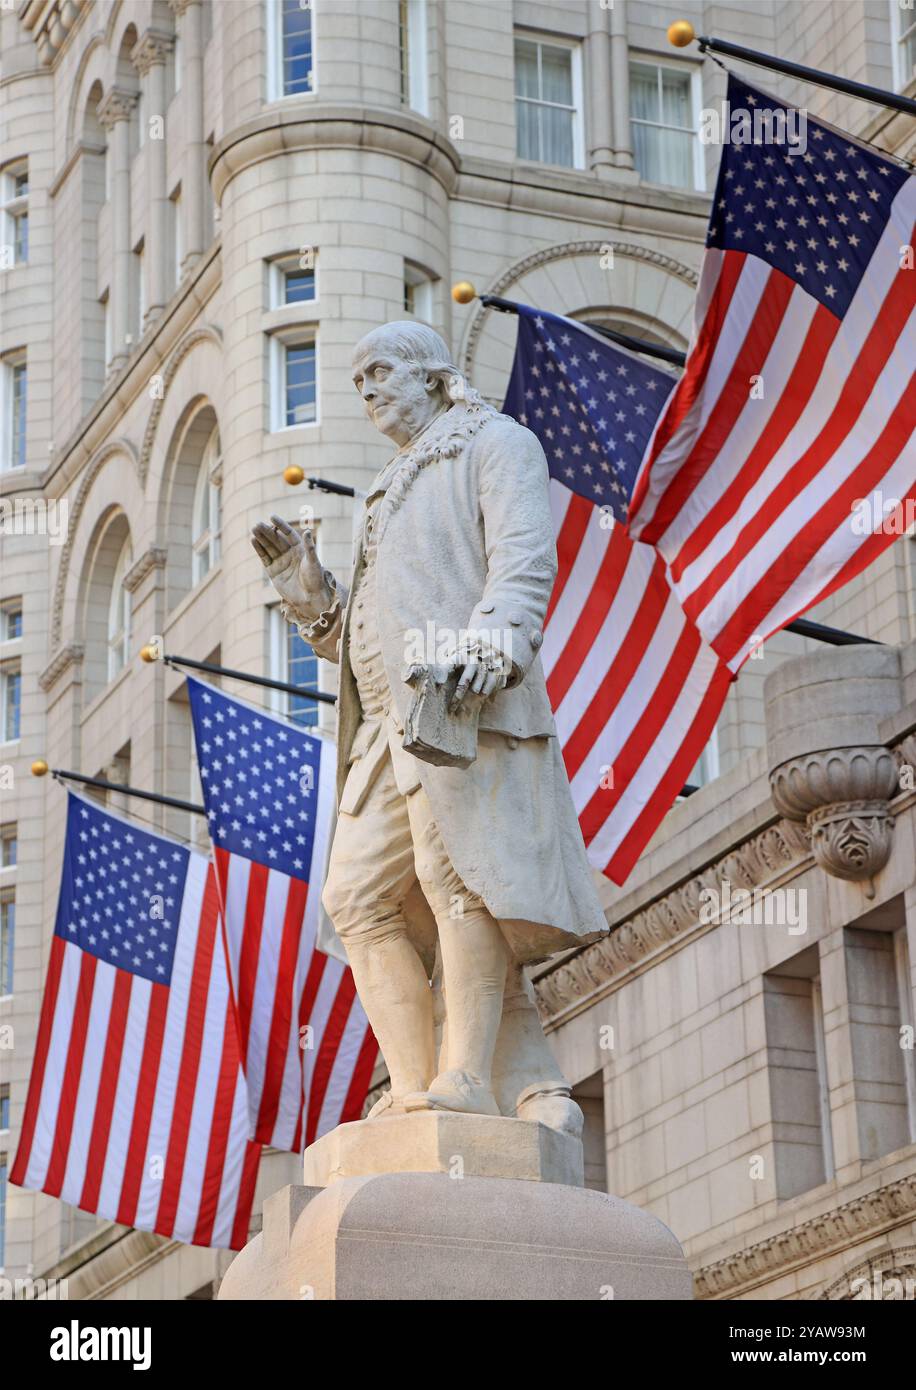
[435, 1206]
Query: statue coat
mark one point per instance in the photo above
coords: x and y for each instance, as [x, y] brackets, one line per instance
[465, 540]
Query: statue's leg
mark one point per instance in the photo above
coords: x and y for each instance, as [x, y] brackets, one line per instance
[475, 958]
[527, 1080]
[370, 872]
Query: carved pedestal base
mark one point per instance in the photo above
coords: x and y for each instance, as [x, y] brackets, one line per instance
[453, 1232]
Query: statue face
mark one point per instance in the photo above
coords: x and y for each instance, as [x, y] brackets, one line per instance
[398, 396]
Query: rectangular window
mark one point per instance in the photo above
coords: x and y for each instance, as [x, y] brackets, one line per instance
[4, 1170]
[293, 661]
[294, 391]
[903, 25]
[548, 102]
[418, 292]
[290, 48]
[799, 1097]
[14, 393]
[412, 41]
[7, 933]
[8, 847]
[10, 704]
[4, 1106]
[663, 119]
[14, 197]
[11, 621]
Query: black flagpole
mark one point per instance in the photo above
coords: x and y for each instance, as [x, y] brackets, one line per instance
[681, 33]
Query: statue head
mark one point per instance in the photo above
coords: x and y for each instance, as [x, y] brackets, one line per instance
[406, 378]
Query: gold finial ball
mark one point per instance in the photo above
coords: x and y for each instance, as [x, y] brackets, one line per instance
[39, 767]
[681, 33]
[293, 475]
[149, 653]
[463, 292]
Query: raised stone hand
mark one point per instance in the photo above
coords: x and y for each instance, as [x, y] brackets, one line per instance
[293, 567]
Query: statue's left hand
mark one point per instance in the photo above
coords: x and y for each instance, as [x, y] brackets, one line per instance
[483, 674]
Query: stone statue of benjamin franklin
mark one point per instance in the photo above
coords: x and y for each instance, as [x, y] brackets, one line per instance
[445, 880]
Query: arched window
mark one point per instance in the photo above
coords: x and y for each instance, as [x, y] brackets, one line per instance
[206, 512]
[119, 614]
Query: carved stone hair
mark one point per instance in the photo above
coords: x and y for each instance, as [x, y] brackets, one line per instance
[422, 346]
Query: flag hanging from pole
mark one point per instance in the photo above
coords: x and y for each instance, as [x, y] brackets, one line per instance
[635, 690]
[307, 1048]
[136, 1107]
[795, 418]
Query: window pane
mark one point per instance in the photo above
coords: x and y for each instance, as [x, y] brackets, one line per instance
[556, 74]
[21, 234]
[13, 623]
[19, 401]
[528, 140]
[12, 694]
[526, 68]
[644, 92]
[300, 285]
[301, 669]
[300, 384]
[4, 1107]
[297, 48]
[675, 98]
[556, 136]
[7, 933]
[21, 185]
[663, 156]
[8, 847]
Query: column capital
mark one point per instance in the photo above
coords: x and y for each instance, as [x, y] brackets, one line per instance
[152, 49]
[116, 105]
[179, 6]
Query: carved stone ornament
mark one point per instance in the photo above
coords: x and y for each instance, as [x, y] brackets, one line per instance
[842, 794]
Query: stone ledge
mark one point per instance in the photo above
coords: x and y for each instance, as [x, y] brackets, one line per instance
[436, 1141]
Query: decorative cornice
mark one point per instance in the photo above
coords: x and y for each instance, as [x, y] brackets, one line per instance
[70, 655]
[760, 859]
[899, 1262]
[548, 254]
[820, 1235]
[151, 50]
[303, 126]
[154, 558]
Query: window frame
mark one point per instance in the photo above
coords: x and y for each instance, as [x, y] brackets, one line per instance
[12, 362]
[279, 269]
[574, 47]
[9, 834]
[899, 33]
[12, 669]
[694, 74]
[7, 933]
[206, 546]
[274, 55]
[8, 608]
[120, 597]
[15, 208]
[280, 342]
[278, 660]
[414, 56]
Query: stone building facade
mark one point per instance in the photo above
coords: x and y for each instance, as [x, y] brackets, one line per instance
[205, 204]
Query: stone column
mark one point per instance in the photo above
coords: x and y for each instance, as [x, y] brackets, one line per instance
[599, 133]
[149, 58]
[194, 180]
[620, 86]
[114, 116]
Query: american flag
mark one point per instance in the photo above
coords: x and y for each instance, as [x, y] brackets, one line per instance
[136, 1103]
[798, 397]
[634, 689]
[307, 1048]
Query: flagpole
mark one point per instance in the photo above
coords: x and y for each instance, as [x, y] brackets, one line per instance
[148, 653]
[40, 769]
[681, 33]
